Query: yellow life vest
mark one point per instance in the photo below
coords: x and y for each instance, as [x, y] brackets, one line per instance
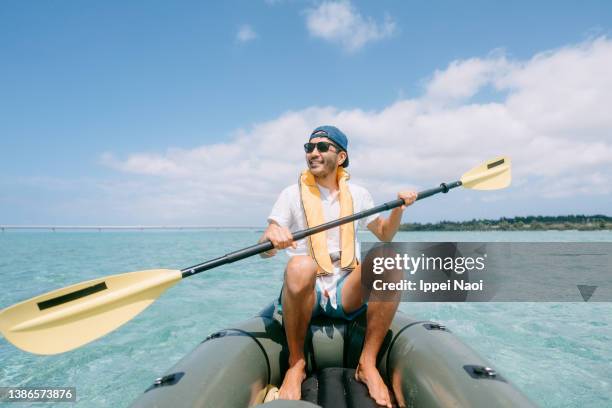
[310, 196]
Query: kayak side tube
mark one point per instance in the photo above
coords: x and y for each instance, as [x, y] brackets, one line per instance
[230, 368]
[427, 366]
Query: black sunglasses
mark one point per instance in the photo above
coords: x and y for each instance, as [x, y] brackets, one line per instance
[321, 146]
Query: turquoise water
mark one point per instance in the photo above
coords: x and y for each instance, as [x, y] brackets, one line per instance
[559, 354]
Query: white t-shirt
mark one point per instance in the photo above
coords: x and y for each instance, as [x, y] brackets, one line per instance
[288, 212]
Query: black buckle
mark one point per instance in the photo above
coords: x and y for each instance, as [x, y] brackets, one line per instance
[480, 372]
[435, 326]
[166, 380]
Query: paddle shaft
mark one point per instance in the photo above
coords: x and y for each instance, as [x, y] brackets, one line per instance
[266, 246]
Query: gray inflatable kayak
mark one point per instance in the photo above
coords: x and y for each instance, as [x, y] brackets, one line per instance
[423, 363]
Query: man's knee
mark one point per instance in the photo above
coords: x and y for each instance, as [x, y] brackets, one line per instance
[300, 275]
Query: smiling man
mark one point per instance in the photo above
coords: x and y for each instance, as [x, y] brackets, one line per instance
[323, 275]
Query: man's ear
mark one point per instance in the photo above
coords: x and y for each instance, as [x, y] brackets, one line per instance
[341, 158]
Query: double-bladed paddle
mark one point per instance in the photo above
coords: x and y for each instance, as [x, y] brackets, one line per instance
[67, 318]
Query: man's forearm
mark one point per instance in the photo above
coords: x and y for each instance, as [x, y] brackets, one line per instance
[391, 224]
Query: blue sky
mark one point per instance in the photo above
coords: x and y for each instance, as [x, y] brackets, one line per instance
[103, 102]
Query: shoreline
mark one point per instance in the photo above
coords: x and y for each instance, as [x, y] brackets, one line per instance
[524, 224]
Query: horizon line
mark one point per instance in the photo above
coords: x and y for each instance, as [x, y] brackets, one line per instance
[124, 227]
[4, 227]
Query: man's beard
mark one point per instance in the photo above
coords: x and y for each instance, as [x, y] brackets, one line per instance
[326, 166]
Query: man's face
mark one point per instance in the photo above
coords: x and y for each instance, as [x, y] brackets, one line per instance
[321, 164]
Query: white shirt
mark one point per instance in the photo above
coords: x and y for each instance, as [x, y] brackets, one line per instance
[288, 212]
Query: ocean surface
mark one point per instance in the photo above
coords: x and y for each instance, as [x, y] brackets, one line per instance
[558, 354]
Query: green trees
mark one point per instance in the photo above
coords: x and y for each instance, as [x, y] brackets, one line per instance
[528, 223]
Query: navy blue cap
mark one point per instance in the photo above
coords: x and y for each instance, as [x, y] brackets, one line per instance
[335, 135]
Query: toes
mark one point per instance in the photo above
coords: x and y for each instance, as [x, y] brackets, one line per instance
[383, 402]
[381, 396]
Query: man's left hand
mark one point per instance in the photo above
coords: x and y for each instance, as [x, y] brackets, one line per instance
[409, 197]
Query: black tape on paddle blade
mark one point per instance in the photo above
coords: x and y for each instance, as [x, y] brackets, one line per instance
[495, 164]
[69, 297]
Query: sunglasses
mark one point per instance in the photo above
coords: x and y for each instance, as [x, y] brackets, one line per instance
[321, 146]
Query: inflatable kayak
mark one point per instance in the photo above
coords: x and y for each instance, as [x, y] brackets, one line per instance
[423, 363]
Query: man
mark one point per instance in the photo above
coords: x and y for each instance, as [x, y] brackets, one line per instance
[323, 275]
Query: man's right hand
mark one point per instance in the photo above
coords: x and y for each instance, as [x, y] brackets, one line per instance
[280, 237]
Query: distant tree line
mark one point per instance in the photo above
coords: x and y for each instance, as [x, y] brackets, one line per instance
[529, 223]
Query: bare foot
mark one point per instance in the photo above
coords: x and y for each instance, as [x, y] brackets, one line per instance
[369, 375]
[291, 389]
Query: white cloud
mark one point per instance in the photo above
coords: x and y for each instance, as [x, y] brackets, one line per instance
[462, 79]
[145, 163]
[245, 34]
[339, 22]
[552, 119]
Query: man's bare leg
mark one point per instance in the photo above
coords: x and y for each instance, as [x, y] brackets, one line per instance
[379, 318]
[380, 315]
[298, 300]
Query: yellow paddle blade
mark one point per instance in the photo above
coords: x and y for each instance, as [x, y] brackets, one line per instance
[67, 318]
[491, 175]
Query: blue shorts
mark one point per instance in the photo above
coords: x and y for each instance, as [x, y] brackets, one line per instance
[329, 310]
